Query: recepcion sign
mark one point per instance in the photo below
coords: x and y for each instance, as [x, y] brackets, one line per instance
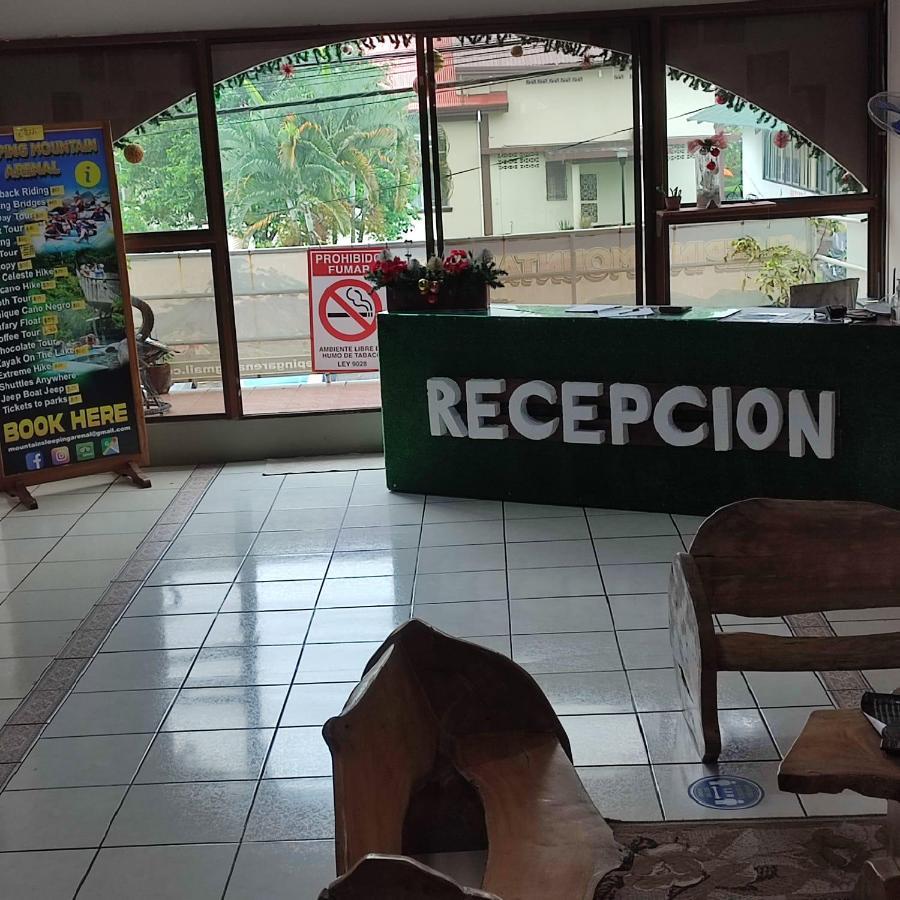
[69, 389]
[343, 309]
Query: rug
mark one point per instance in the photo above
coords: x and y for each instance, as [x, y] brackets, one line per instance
[769, 859]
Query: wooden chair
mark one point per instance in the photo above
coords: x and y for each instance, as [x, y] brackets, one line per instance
[447, 746]
[777, 558]
[380, 877]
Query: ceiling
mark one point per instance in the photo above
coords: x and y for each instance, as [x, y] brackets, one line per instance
[55, 18]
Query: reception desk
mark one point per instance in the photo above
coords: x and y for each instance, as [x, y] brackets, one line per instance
[631, 411]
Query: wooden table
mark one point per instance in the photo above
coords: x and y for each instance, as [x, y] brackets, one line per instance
[839, 750]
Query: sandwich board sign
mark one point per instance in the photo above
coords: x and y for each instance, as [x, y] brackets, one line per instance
[343, 309]
[70, 395]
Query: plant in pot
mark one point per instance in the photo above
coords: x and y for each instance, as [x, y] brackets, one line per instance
[672, 199]
[458, 281]
[159, 373]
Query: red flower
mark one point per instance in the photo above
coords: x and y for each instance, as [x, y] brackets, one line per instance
[711, 166]
[389, 269]
[457, 261]
[721, 97]
[781, 139]
[287, 69]
[715, 151]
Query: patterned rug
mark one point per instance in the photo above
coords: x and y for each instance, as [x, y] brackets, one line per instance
[768, 859]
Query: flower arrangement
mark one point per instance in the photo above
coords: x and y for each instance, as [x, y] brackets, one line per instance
[457, 270]
[709, 171]
[711, 146]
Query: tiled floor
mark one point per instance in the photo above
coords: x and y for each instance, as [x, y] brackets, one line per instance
[189, 762]
[56, 562]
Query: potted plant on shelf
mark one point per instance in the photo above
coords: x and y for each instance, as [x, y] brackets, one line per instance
[458, 281]
[159, 373]
[672, 199]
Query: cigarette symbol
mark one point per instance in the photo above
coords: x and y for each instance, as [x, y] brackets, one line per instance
[359, 300]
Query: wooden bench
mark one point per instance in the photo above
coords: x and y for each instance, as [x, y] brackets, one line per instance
[839, 750]
[776, 558]
[447, 746]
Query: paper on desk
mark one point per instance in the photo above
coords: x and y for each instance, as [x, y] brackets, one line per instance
[612, 312]
[771, 314]
[595, 308]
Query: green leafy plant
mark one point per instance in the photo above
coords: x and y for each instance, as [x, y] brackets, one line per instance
[781, 266]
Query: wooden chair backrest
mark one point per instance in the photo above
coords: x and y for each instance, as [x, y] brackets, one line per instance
[381, 877]
[473, 690]
[783, 557]
[383, 743]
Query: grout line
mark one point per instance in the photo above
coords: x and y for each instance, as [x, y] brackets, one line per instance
[86, 662]
[287, 696]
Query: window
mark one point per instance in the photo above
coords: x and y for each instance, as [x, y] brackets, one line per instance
[534, 151]
[539, 138]
[177, 289]
[314, 152]
[754, 263]
[751, 78]
[557, 180]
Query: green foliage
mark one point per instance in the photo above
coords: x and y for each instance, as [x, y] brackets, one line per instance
[303, 160]
[315, 172]
[781, 266]
[733, 160]
[165, 190]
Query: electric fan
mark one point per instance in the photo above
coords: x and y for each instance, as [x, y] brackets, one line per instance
[884, 111]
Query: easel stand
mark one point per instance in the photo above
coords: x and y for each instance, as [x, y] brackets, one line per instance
[18, 488]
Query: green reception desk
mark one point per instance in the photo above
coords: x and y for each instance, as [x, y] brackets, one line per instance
[676, 414]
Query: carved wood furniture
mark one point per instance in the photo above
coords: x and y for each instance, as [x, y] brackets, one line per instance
[776, 558]
[448, 746]
[380, 877]
[839, 750]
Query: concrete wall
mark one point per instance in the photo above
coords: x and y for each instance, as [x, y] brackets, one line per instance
[463, 215]
[566, 108]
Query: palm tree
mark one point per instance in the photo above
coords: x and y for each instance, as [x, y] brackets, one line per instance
[333, 168]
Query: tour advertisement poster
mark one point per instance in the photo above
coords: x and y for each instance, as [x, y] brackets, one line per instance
[66, 389]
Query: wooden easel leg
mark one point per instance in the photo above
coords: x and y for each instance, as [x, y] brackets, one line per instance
[134, 474]
[22, 494]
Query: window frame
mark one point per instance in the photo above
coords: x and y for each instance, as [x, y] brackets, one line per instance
[647, 30]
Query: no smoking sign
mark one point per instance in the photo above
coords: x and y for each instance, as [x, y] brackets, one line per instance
[348, 309]
[343, 309]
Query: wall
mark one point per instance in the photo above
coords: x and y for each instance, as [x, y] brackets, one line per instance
[220, 440]
[463, 157]
[566, 108]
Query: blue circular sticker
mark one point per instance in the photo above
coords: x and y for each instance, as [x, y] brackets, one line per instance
[726, 792]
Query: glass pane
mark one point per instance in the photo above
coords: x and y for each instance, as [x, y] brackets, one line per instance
[182, 358]
[147, 94]
[160, 172]
[781, 89]
[538, 164]
[318, 147]
[755, 263]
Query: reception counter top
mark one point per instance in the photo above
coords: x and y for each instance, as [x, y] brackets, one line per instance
[631, 410]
